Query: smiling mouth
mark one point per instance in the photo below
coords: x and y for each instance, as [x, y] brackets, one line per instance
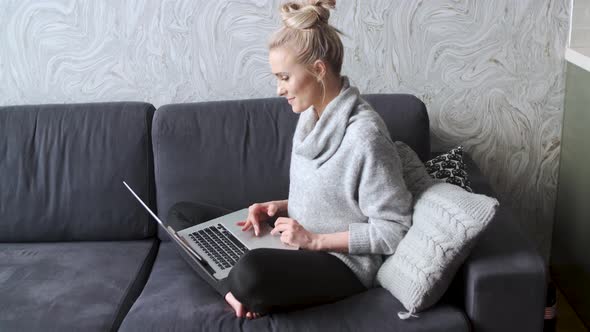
[290, 99]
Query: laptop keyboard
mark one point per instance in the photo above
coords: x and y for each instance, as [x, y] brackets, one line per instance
[220, 245]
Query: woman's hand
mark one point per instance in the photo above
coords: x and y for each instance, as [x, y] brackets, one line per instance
[260, 212]
[293, 234]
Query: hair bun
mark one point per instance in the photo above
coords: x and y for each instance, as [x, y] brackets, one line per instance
[306, 16]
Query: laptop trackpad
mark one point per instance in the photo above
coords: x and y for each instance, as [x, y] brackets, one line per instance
[263, 240]
[251, 241]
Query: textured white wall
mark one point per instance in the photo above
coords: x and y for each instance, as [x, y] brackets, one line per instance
[491, 72]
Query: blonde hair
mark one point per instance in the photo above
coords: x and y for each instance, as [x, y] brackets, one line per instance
[307, 32]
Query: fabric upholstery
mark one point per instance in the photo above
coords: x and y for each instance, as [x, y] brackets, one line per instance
[479, 183]
[235, 153]
[61, 172]
[504, 267]
[71, 286]
[176, 299]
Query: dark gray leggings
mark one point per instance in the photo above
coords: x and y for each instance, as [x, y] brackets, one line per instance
[272, 280]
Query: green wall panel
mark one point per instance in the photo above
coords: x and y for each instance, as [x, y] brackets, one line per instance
[570, 254]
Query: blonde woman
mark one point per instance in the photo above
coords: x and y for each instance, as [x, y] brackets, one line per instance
[348, 203]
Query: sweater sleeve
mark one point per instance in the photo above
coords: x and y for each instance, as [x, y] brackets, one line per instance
[383, 198]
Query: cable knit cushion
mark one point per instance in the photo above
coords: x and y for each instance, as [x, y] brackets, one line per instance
[415, 174]
[446, 222]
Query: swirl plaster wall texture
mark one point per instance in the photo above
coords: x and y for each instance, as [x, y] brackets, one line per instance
[490, 72]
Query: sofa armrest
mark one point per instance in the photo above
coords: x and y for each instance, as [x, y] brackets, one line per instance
[504, 278]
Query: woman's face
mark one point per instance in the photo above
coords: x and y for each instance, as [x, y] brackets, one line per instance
[294, 82]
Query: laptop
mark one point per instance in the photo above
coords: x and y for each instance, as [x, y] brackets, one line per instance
[216, 245]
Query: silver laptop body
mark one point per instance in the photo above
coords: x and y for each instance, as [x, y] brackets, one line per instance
[220, 242]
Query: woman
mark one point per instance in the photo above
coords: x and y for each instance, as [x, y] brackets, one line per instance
[348, 203]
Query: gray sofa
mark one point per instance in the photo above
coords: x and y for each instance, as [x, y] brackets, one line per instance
[78, 253]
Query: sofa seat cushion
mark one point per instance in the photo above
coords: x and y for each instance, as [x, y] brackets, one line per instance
[175, 298]
[71, 286]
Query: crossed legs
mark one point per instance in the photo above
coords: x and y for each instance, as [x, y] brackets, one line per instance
[272, 280]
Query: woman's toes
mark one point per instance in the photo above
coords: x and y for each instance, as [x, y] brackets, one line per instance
[240, 309]
[252, 315]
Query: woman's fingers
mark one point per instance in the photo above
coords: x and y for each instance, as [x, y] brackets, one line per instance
[246, 224]
[256, 225]
[285, 221]
[253, 213]
[271, 210]
[279, 228]
[257, 213]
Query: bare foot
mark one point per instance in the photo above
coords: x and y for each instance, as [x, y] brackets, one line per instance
[239, 307]
[235, 304]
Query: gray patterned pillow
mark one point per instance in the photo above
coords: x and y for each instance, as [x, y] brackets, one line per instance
[446, 223]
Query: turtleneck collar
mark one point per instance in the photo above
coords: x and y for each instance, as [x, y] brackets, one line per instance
[318, 139]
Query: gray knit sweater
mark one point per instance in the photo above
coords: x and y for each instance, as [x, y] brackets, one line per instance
[346, 175]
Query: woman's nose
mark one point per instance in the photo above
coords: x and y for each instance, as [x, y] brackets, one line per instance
[280, 90]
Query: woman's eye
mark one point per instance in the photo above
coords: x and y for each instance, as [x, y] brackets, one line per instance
[285, 78]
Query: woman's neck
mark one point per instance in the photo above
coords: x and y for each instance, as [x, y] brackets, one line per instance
[333, 85]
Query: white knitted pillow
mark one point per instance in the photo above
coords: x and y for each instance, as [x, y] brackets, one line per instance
[415, 174]
[446, 221]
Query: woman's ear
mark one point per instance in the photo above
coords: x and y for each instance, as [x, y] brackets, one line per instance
[319, 69]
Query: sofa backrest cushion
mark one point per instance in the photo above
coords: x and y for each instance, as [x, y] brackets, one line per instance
[235, 153]
[61, 172]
